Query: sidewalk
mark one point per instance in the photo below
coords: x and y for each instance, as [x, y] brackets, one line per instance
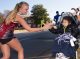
[20, 31]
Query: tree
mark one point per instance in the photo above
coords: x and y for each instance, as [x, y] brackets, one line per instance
[39, 14]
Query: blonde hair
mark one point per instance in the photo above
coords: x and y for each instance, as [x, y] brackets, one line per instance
[11, 16]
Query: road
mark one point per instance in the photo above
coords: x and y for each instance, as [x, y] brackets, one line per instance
[35, 44]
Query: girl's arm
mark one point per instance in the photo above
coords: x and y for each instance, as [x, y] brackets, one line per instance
[27, 27]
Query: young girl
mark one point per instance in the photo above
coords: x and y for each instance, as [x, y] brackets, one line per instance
[15, 16]
[63, 43]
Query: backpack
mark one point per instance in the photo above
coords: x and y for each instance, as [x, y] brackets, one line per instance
[4, 28]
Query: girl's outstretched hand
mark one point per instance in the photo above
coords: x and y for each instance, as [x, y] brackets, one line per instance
[47, 26]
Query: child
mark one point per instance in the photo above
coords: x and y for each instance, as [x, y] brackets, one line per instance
[64, 44]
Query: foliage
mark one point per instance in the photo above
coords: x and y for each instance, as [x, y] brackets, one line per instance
[39, 14]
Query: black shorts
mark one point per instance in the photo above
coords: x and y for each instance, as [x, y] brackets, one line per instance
[8, 36]
[5, 41]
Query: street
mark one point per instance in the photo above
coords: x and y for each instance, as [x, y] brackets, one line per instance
[36, 44]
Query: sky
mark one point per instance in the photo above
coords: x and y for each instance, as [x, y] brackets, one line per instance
[51, 5]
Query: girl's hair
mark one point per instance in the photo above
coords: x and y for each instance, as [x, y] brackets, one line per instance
[13, 13]
[68, 18]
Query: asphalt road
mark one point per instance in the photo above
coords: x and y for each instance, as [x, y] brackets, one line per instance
[36, 44]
